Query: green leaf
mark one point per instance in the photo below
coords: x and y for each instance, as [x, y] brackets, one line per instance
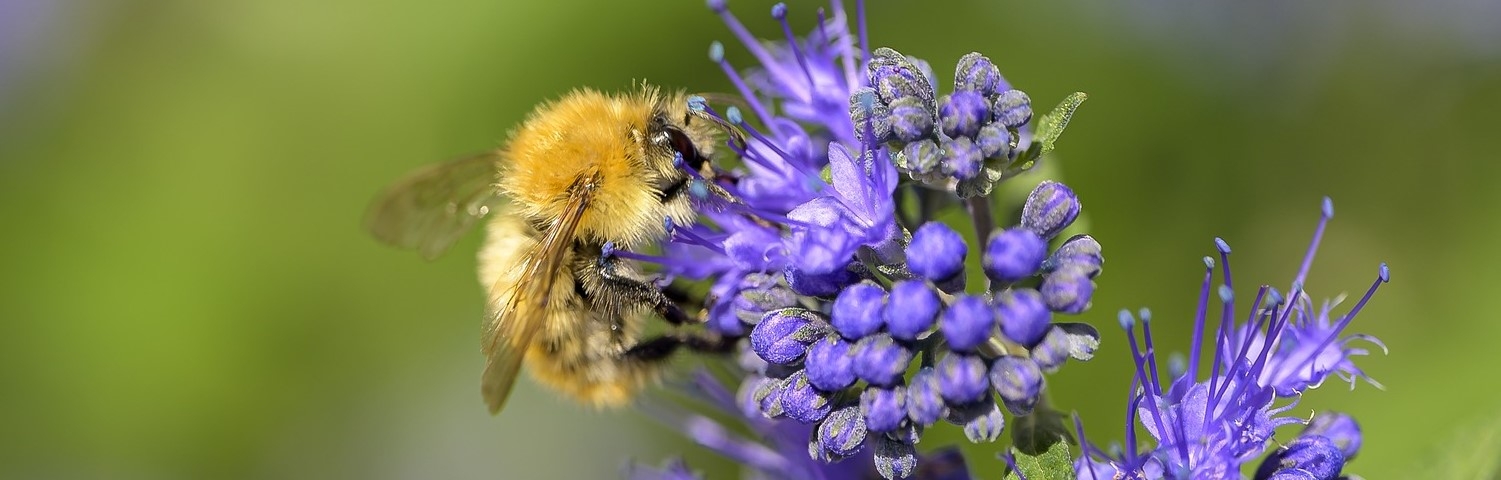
[1051, 126]
[1040, 443]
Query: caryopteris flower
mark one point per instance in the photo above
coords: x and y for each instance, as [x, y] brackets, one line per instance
[862, 322]
[1209, 426]
[841, 294]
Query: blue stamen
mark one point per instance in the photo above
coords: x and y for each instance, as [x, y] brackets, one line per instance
[753, 45]
[1146, 330]
[779, 11]
[698, 190]
[745, 91]
[1196, 348]
[1346, 319]
[1318, 235]
[1085, 449]
[864, 32]
[1219, 243]
[1011, 462]
[716, 51]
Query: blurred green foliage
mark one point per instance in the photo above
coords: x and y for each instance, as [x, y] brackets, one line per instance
[186, 291]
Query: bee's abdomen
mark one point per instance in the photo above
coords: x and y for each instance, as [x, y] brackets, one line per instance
[588, 365]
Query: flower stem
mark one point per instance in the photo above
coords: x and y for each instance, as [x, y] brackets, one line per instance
[984, 222]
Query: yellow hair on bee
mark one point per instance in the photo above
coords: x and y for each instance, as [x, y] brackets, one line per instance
[582, 173]
[588, 134]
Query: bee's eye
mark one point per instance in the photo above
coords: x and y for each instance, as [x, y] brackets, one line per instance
[681, 144]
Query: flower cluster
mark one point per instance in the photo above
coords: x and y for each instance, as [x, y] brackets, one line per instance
[1209, 428]
[865, 321]
[847, 370]
[862, 325]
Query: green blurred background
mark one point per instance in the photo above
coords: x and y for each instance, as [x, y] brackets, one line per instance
[186, 291]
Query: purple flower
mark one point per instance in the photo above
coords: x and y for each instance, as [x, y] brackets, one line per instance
[837, 292]
[1211, 427]
[1308, 456]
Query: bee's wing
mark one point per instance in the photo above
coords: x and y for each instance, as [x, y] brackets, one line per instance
[510, 328]
[429, 209]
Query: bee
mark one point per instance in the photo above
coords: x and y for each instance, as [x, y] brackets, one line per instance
[581, 175]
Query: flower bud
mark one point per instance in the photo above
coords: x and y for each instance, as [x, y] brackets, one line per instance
[994, 141]
[885, 408]
[924, 403]
[879, 360]
[843, 433]
[894, 76]
[895, 459]
[783, 335]
[869, 116]
[909, 119]
[1024, 316]
[830, 365]
[1052, 351]
[1067, 290]
[961, 378]
[812, 284]
[976, 73]
[986, 427]
[1081, 251]
[910, 309]
[767, 396]
[967, 323]
[1338, 428]
[857, 310]
[760, 293]
[1017, 380]
[1013, 254]
[937, 252]
[922, 157]
[1050, 208]
[962, 113]
[1013, 109]
[802, 402]
[1314, 454]
[961, 158]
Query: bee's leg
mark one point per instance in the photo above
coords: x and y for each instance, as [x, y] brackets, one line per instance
[682, 298]
[636, 292]
[660, 348]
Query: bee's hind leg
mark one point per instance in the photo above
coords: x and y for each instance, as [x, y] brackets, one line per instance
[659, 348]
[633, 291]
